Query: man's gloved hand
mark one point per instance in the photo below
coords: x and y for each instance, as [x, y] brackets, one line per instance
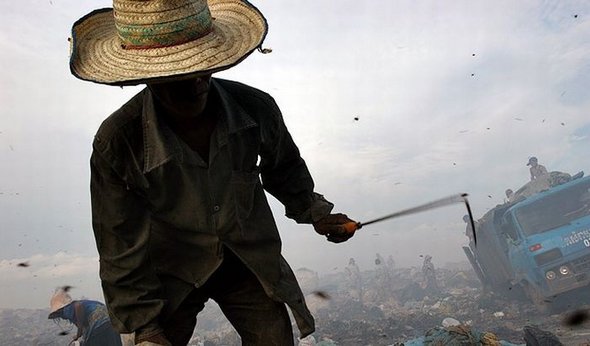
[336, 227]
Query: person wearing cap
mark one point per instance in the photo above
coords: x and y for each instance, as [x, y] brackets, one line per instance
[90, 318]
[178, 174]
[536, 169]
[509, 195]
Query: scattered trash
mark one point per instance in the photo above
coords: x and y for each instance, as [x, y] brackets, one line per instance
[450, 322]
[537, 337]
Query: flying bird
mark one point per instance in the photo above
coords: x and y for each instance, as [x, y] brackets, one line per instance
[576, 318]
[322, 295]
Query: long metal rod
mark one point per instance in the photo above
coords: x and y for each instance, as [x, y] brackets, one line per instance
[460, 198]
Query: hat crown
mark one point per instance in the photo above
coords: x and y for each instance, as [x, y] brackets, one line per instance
[59, 299]
[143, 24]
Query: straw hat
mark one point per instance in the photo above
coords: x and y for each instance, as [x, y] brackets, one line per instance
[58, 301]
[139, 41]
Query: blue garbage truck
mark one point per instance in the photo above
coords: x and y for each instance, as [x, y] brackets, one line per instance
[538, 242]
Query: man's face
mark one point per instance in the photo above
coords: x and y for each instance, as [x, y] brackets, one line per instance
[182, 95]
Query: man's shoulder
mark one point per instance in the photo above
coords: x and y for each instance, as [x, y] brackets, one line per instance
[238, 88]
[256, 103]
[127, 118]
[246, 95]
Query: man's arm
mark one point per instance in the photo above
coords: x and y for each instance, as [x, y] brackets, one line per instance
[542, 170]
[121, 223]
[285, 176]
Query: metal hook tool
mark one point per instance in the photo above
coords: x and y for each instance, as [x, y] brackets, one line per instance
[460, 198]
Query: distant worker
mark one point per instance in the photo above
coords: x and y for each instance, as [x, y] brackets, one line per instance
[536, 169]
[390, 264]
[355, 281]
[509, 195]
[429, 275]
[89, 316]
[382, 278]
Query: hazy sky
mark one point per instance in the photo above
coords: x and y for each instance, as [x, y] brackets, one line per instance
[450, 97]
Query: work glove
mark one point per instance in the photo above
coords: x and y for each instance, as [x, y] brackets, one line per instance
[336, 227]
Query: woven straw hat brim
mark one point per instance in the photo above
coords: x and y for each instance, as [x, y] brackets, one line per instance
[56, 313]
[97, 55]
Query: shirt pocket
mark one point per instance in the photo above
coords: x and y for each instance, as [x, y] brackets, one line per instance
[244, 187]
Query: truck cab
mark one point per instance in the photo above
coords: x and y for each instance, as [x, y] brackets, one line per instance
[541, 242]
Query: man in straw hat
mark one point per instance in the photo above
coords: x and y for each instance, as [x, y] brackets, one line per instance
[179, 211]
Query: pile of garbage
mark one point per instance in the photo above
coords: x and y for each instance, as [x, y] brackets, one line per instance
[412, 307]
[405, 306]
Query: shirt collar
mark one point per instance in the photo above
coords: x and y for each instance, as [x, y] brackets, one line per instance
[237, 118]
[160, 142]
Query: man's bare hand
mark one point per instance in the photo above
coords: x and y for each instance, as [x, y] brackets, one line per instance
[336, 227]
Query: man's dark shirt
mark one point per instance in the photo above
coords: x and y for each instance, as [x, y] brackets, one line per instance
[162, 216]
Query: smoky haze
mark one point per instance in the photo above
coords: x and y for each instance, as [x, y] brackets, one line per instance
[392, 104]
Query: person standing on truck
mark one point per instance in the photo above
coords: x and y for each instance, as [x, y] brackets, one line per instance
[536, 169]
[509, 195]
[179, 174]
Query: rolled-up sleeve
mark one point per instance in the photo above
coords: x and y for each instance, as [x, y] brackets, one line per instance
[285, 174]
[121, 223]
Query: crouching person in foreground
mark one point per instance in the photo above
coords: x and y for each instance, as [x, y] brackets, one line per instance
[90, 318]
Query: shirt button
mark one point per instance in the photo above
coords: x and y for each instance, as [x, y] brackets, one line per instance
[216, 208]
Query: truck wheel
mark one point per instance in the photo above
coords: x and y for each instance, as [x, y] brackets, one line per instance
[536, 298]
